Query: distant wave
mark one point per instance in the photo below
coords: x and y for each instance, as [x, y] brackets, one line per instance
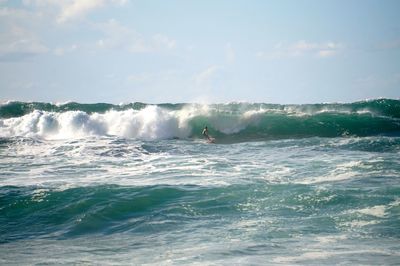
[227, 122]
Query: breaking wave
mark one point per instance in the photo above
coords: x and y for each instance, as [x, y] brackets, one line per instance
[227, 122]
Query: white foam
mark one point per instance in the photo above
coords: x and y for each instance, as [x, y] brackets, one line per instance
[6, 102]
[359, 223]
[377, 211]
[331, 177]
[368, 216]
[330, 239]
[311, 255]
[342, 171]
[63, 103]
[395, 203]
[149, 123]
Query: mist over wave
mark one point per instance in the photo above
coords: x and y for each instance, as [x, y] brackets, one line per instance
[228, 122]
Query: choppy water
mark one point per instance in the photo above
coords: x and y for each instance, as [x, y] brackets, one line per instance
[136, 184]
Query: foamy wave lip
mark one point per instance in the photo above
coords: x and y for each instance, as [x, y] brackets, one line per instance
[58, 104]
[149, 123]
[294, 110]
[6, 102]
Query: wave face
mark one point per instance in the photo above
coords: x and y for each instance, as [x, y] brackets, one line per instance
[228, 122]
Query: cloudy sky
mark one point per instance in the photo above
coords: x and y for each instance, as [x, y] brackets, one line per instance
[199, 51]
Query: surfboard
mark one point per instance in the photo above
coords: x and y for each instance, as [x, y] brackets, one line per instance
[211, 140]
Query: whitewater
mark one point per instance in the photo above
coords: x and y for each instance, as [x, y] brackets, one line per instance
[137, 183]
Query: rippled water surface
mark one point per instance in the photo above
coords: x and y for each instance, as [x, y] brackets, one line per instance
[112, 200]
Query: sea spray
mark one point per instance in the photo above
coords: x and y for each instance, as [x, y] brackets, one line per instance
[151, 122]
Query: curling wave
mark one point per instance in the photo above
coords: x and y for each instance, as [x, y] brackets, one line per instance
[228, 122]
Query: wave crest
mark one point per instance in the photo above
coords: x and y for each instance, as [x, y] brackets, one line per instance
[227, 122]
[149, 123]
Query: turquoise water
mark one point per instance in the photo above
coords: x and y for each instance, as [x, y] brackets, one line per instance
[136, 184]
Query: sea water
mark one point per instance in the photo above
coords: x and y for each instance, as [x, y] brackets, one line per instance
[137, 184]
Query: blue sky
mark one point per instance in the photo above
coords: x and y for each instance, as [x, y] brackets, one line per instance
[199, 51]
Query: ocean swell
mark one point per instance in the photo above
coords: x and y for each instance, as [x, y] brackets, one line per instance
[228, 122]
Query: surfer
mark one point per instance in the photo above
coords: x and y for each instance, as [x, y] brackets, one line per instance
[205, 133]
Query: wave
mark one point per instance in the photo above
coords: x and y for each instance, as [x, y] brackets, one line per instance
[105, 209]
[28, 212]
[16, 109]
[227, 122]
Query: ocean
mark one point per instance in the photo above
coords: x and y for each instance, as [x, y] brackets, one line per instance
[137, 184]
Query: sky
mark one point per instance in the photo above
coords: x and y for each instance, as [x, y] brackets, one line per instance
[178, 51]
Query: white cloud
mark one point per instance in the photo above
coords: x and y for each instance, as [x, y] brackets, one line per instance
[163, 41]
[69, 10]
[21, 30]
[60, 51]
[204, 77]
[19, 34]
[13, 16]
[326, 53]
[302, 48]
[117, 36]
[320, 49]
[17, 42]
[78, 9]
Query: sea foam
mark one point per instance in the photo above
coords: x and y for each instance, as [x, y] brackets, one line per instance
[149, 123]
